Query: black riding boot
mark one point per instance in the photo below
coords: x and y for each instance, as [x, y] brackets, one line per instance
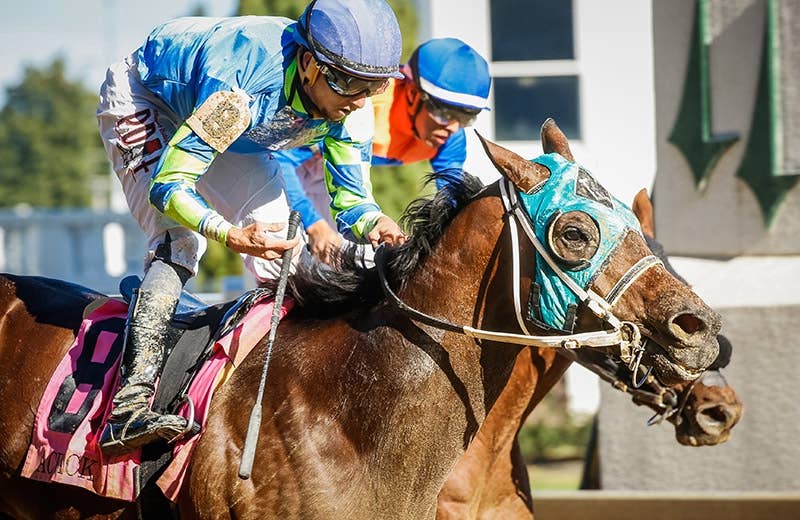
[132, 423]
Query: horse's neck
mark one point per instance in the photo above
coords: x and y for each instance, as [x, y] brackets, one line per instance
[462, 281]
[461, 379]
[534, 373]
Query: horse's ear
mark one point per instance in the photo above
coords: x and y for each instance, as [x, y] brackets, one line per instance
[554, 140]
[525, 175]
[643, 209]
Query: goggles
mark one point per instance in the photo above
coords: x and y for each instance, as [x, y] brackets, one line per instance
[348, 86]
[445, 114]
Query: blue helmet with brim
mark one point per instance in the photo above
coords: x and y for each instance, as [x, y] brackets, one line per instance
[359, 37]
[452, 72]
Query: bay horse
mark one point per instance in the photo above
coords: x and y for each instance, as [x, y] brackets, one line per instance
[491, 480]
[373, 395]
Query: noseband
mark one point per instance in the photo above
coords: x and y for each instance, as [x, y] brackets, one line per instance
[624, 334]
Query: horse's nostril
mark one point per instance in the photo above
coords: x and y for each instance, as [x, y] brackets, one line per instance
[689, 323]
[716, 413]
[714, 418]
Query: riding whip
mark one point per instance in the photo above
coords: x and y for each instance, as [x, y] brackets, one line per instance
[251, 439]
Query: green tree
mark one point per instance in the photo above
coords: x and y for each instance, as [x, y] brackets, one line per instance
[406, 12]
[217, 262]
[198, 10]
[395, 186]
[288, 8]
[50, 149]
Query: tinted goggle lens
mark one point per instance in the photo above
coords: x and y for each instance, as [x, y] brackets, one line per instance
[347, 85]
[445, 114]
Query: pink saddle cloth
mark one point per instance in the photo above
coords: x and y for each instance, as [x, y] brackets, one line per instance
[76, 403]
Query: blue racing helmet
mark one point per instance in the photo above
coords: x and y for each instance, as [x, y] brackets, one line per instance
[452, 72]
[360, 37]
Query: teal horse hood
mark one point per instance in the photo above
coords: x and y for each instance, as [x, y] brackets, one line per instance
[570, 187]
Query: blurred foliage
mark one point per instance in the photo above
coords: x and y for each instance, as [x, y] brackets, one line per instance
[288, 8]
[50, 149]
[551, 432]
[217, 262]
[406, 12]
[395, 186]
[198, 10]
[539, 443]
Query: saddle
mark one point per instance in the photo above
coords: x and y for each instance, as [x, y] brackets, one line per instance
[196, 327]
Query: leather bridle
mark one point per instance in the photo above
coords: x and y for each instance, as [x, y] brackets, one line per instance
[624, 334]
[650, 391]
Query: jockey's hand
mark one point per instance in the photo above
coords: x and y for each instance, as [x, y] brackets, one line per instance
[323, 240]
[258, 240]
[386, 231]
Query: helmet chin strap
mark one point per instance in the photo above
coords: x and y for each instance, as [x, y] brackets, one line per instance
[306, 78]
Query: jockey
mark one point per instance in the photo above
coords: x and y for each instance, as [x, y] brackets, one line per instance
[419, 117]
[189, 121]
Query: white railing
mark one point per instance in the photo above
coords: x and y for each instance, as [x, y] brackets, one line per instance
[84, 246]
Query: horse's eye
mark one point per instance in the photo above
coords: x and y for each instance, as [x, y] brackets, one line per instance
[573, 238]
[573, 235]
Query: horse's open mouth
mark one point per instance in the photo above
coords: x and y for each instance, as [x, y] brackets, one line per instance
[661, 358]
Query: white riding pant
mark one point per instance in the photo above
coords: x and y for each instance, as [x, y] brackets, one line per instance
[136, 126]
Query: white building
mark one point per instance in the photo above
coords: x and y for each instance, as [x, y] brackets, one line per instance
[587, 64]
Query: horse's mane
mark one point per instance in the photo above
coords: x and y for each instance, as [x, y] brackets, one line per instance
[322, 290]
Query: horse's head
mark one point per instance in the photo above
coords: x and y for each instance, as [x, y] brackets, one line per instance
[703, 411]
[710, 408]
[592, 264]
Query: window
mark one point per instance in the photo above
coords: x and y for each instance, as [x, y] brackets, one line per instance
[523, 103]
[532, 30]
[534, 68]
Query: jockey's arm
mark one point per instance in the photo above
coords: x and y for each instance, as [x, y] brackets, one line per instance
[323, 240]
[347, 180]
[172, 187]
[347, 154]
[173, 193]
[218, 81]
